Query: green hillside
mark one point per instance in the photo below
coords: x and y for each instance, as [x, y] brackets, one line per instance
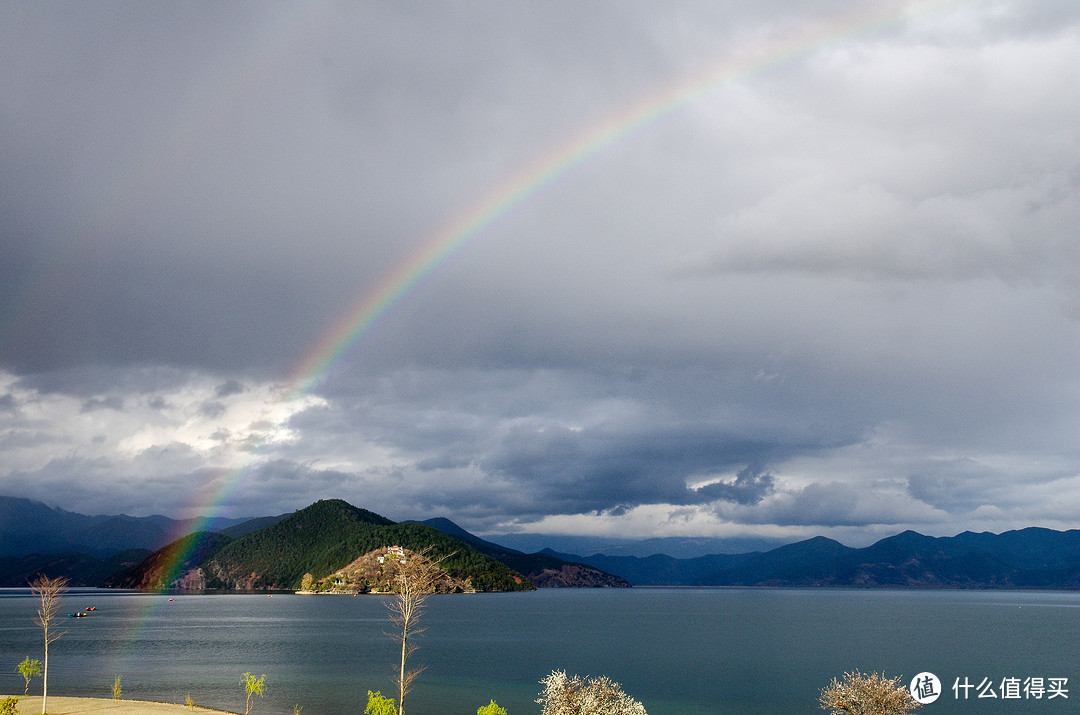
[327, 536]
[175, 565]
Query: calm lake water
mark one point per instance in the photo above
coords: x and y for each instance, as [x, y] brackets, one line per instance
[679, 651]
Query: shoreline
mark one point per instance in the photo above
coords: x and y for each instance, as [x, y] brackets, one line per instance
[64, 705]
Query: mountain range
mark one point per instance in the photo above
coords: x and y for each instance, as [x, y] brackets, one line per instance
[680, 547]
[1031, 558]
[28, 527]
[270, 553]
[274, 552]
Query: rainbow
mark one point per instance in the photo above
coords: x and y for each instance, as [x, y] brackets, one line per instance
[377, 303]
[370, 308]
[348, 333]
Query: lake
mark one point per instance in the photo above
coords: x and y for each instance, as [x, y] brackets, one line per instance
[679, 651]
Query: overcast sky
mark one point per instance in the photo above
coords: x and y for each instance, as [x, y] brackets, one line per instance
[835, 290]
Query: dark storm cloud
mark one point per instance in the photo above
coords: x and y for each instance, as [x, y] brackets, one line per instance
[569, 442]
[212, 409]
[572, 471]
[107, 403]
[205, 234]
[229, 387]
[750, 486]
[838, 291]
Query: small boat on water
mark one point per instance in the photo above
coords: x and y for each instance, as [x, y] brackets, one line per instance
[81, 614]
[91, 608]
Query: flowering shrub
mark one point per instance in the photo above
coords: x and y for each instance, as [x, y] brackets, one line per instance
[585, 696]
[867, 694]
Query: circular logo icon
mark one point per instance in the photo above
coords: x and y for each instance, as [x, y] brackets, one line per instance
[925, 688]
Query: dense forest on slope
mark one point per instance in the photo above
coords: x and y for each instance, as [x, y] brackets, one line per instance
[544, 570]
[320, 539]
[173, 566]
[78, 568]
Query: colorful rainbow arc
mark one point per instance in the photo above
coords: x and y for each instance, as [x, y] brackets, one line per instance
[397, 285]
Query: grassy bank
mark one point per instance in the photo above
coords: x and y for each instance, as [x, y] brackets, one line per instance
[59, 705]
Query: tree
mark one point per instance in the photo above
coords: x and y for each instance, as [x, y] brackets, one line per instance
[29, 669]
[9, 705]
[252, 686]
[117, 691]
[867, 694]
[378, 705]
[415, 580]
[490, 709]
[588, 696]
[48, 590]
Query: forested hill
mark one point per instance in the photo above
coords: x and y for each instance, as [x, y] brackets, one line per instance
[175, 565]
[319, 540]
[544, 570]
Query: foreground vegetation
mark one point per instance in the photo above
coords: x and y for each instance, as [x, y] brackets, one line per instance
[855, 694]
[867, 694]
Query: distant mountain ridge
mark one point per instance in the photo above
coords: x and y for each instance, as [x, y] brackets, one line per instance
[36, 539]
[688, 547]
[1032, 558]
[29, 527]
[658, 569]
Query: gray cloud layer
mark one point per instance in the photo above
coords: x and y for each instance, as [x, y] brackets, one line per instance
[837, 293]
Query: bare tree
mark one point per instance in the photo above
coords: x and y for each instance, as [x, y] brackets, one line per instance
[49, 591]
[867, 694]
[417, 578]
